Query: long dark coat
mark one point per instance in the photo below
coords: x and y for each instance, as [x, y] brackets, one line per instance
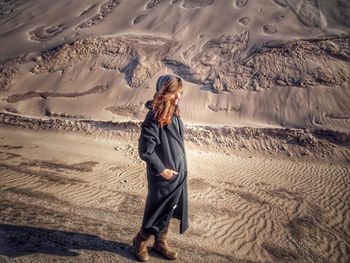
[163, 147]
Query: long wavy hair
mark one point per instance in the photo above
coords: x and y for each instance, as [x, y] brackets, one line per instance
[163, 103]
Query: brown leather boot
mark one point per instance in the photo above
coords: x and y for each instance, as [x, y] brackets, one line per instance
[140, 245]
[161, 245]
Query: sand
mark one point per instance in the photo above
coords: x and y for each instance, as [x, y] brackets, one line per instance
[66, 196]
[266, 108]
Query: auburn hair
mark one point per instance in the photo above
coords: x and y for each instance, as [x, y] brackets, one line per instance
[163, 103]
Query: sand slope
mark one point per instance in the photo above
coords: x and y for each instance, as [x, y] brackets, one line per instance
[248, 63]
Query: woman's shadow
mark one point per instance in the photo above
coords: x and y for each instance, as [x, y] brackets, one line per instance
[16, 240]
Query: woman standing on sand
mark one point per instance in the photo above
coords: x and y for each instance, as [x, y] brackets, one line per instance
[161, 146]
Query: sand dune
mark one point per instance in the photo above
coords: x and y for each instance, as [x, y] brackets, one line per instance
[294, 84]
[267, 118]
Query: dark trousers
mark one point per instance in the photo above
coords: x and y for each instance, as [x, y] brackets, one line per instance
[161, 225]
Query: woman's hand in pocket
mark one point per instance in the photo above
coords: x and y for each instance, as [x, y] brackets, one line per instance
[168, 174]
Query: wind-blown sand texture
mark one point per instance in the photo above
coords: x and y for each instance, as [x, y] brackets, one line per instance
[85, 200]
[266, 107]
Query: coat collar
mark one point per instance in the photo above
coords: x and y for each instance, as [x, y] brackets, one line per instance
[148, 104]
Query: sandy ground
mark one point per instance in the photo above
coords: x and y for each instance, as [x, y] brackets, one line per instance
[68, 197]
[266, 107]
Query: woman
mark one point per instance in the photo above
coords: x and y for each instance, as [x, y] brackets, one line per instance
[161, 146]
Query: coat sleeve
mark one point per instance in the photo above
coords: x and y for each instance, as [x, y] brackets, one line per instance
[148, 140]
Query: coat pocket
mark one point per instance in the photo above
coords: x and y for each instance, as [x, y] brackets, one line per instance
[168, 181]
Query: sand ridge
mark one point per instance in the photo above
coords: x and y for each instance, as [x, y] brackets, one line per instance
[309, 145]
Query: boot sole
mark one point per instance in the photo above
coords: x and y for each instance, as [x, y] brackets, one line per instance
[160, 252]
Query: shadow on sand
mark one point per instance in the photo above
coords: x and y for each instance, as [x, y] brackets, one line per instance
[16, 240]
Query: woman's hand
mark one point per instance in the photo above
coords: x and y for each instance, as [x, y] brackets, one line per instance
[168, 174]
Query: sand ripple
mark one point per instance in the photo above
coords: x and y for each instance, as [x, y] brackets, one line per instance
[248, 208]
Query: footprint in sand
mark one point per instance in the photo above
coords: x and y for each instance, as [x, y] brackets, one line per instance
[138, 19]
[240, 3]
[105, 9]
[87, 10]
[308, 12]
[281, 3]
[6, 7]
[42, 33]
[153, 3]
[196, 3]
[244, 20]
[269, 29]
